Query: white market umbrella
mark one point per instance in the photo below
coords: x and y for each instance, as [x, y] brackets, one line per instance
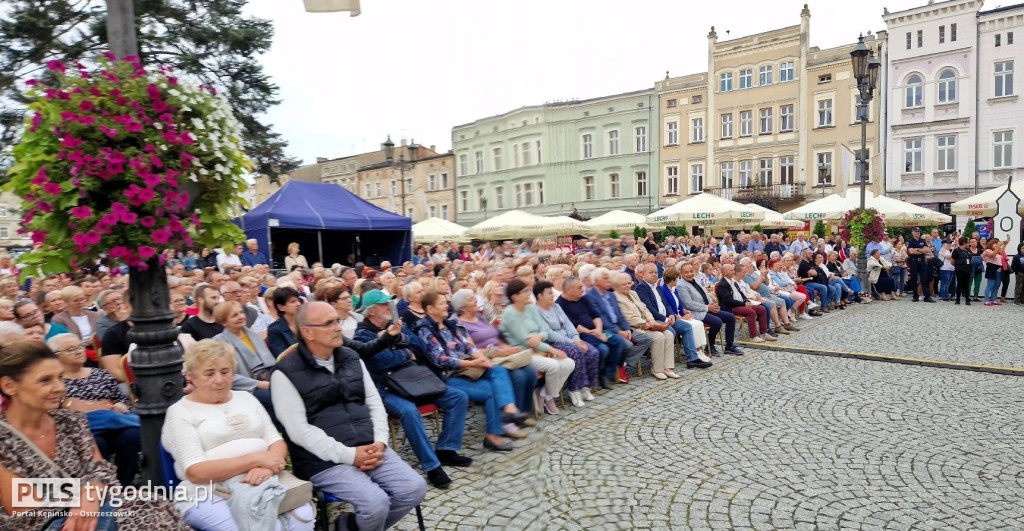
[517, 224]
[705, 210]
[433, 230]
[984, 204]
[555, 226]
[773, 219]
[895, 212]
[619, 221]
[902, 213]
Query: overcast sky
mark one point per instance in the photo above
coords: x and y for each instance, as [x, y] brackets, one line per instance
[415, 68]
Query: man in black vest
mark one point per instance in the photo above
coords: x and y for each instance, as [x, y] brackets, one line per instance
[336, 426]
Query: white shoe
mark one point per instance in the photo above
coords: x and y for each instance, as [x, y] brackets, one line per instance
[813, 305]
[587, 395]
[576, 399]
[806, 317]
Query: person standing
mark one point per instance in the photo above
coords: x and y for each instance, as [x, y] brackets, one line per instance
[962, 268]
[993, 265]
[1017, 266]
[917, 252]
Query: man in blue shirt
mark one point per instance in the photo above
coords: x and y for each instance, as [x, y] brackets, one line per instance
[755, 243]
[253, 257]
[614, 322]
[798, 246]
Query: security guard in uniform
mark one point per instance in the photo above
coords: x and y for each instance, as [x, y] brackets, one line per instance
[919, 267]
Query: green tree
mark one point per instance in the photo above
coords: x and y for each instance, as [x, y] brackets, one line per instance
[613, 234]
[211, 41]
[820, 229]
[970, 228]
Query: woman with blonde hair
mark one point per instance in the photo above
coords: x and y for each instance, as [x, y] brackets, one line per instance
[294, 258]
[492, 297]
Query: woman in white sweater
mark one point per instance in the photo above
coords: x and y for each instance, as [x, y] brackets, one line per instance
[217, 435]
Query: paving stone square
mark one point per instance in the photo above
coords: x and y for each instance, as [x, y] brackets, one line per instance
[776, 440]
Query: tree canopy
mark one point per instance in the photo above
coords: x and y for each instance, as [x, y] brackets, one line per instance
[210, 40]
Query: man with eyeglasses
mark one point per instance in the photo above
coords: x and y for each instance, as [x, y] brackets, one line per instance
[234, 292]
[337, 426]
[27, 314]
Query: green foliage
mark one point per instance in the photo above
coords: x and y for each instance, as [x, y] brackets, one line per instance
[212, 41]
[613, 234]
[125, 161]
[862, 226]
[970, 228]
[639, 232]
[757, 228]
[820, 229]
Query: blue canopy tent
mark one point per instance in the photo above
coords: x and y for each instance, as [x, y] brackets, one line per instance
[329, 223]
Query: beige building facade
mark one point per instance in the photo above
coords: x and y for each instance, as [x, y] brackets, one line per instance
[10, 222]
[772, 121]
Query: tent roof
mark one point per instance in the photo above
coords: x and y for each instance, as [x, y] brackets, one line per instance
[305, 205]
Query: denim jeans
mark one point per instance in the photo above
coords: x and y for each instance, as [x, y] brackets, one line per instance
[684, 330]
[494, 389]
[944, 279]
[524, 381]
[453, 402]
[104, 523]
[991, 289]
[611, 352]
[899, 277]
[821, 290]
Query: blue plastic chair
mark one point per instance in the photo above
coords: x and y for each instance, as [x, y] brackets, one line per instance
[167, 468]
[323, 498]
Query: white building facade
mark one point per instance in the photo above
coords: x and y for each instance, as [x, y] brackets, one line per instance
[1000, 109]
[930, 103]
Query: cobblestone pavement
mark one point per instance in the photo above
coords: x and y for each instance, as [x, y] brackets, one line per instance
[769, 441]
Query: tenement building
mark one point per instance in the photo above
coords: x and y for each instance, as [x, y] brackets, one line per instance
[1000, 109]
[584, 156]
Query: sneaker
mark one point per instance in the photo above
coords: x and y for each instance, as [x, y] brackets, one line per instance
[757, 339]
[769, 337]
[735, 351]
[452, 458]
[791, 327]
[438, 478]
[576, 398]
[988, 303]
[623, 377]
[812, 305]
[781, 330]
[698, 364]
[996, 303]
[806, 317]
[587, 395]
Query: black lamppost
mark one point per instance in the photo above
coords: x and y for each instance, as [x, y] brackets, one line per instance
[402, 165]
[865, 70]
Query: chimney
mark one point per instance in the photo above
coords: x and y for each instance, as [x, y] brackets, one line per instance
[321, 160]
[404, 142]
[433, 148]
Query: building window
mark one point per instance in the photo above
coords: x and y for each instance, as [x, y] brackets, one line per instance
[433, 211]
[409, 212]
[369, 190]
[538, 152]
[540, 192]
[764, 76]
[766, 121]
[786, 115]
[499, 197]
[785, 170]
[481, 199]
[999, 40]
[912, 156]
[464, 201]
[463, 165]
[640, 134]
[914, 92]
[824, 162]
[527, 154]
[786, 72]
[528, 193]
[394, 187]
[947, 87]
[765, 172]
[947, 153]
[588, 188]
[696, 178]
[588, 146]
[824, 78]
[952, 33]
[698, 99]
[910, 40]
[3, 211]
[824, 113]
[479, 162]
[431, 182]
[697, 130]
[444, 213]
[671, 103]
[746, 78]
[613, 142]
[5, 233]
[518, 157]
[377, 188]
[641, 183]
[725, 82]
[673, 133]
[1009, 37]
[1002, 143]
[613, 180]
[1004, 78]
[726, 168]
[444, 180]
[727, 125]
[920, 38]
[672, 180]
[519, 195]
[746, 123]
[942, 34]
[746, 173]
[499, 159]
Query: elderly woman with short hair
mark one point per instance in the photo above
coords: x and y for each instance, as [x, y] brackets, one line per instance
[563, 335]
[76, 318]
[217, 435]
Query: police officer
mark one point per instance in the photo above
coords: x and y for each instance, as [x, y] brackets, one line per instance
[918, 264]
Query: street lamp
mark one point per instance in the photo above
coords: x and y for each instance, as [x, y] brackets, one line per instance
[865, 69]
[389, 154]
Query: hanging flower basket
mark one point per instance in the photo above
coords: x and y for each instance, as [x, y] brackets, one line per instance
[861, 227]
[125, 161]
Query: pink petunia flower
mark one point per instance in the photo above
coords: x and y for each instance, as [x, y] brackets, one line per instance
[129, 218]
[81, 212]
[148, 222]
[40, 178]
[145, 252]
[51, 188]
[161, 236]
[86, 105]
[56, 65]
[92, 237]
[38, 236]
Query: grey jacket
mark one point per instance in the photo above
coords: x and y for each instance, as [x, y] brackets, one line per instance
[691, 298]
[248, 361]
[560, 328]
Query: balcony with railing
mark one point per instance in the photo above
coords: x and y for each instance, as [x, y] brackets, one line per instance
[748, 193]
